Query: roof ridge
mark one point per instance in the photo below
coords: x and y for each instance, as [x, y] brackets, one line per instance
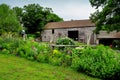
[72, 21]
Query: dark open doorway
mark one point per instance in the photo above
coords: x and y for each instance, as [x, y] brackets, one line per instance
[107, 41]
[73, 35]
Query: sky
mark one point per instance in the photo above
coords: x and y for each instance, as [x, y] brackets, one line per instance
[66, 9]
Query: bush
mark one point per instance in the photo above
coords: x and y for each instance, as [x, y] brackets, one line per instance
[34, 50]
[10, 41]
[65, 41]
[100, 62]
[44, 52]
[56, 57]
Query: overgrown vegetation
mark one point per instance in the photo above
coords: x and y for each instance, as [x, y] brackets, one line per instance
[99, 61]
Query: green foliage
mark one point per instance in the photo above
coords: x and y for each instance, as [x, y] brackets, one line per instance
[61, 57]
[43, 52]
[100, 62]
[116, 44]
[28, 49]
[56, 57]
[8, 20]
[108, 18]
[34, 17]
[65, 41]
[5, 51]
[10, 42]
[19, 12]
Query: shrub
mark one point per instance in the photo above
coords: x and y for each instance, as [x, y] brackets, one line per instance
[67, 57]
[10, 41]
[56, 58]
[61, 57]
[5, 51]
[44, 51]
[100, 62]
[65, 41]
[29, 49]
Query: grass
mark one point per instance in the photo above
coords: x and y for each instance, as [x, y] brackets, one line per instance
[16, 68]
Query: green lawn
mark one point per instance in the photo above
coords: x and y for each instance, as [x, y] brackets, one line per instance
[15, 68]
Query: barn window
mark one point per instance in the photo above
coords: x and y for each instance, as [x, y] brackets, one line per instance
[52, 31]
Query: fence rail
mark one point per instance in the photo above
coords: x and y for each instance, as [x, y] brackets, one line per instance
[74, 46]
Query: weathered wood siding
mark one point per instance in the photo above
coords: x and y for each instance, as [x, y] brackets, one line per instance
[83, 34]
[104, 34]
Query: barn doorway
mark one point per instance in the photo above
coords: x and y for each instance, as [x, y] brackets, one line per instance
[108, 41]
[73, 35]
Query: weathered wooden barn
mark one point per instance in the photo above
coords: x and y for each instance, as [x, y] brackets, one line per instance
[79, 30]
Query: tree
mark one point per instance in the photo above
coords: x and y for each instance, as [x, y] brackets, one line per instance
[8, 20]
[34, 17]
[19, 12]
[109, 17]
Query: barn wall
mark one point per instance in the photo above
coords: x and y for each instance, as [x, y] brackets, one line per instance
[83, 34]
[46, 35]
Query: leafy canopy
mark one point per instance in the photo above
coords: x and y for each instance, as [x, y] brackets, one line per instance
[34, 17]
[109, 17]
[8, 20]
[19, 13]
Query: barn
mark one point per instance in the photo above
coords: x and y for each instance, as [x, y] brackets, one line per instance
[79, 30]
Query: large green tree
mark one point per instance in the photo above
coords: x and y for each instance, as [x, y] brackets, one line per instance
[34, 17]
[8, 20]
[107, 15]
[19, 12]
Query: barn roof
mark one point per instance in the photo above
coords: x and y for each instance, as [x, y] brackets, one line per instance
[104, 34]
[69, 24]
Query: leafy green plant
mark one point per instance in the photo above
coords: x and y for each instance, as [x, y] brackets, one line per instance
[56, 57]
[65, 41]
[61, 57]
[44, 51]
[28, 49]
[5, 51]
[10, 41]
[100, 62]
[67, 56]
